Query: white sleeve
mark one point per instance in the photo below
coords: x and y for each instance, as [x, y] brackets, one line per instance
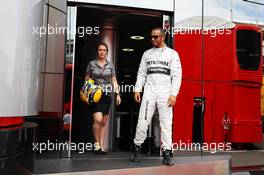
[141, 75]
[176, 74]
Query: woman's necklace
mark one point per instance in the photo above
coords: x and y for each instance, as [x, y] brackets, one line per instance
[101, 70]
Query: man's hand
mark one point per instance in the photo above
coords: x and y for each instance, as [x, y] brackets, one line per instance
[171, 100]
[137, 97]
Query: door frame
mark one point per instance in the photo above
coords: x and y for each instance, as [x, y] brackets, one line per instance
[110, 8]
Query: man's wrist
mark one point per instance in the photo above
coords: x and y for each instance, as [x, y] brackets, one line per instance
[174, 93]
[137, 89]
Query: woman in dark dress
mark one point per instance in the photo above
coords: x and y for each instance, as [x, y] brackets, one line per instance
[103, 72]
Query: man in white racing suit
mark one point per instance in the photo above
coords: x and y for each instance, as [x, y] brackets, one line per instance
[160, 74]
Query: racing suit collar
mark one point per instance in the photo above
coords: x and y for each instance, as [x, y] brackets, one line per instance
[160, 48]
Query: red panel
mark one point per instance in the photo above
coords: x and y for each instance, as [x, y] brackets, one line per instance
[246, 123]
[67, 107]
[68, 66]
[248, 75]
[189, 49]
[217, 104]
[49, 114]
[218, 56]
[11, 121]
[183, 111]
[227, 88]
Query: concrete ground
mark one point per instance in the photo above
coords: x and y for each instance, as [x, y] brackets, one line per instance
[242, 162]
[248, 161]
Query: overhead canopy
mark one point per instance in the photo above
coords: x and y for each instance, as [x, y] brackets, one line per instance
[162, 5]
[210, 23]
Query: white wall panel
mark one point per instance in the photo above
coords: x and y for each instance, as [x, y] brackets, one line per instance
[56, 42]
[20, 53]
[59, 4]
[53, 91]
[44, 39]
[41, 91]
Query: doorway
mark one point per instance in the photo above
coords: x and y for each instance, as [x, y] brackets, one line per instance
[126, 31]
[133, 41]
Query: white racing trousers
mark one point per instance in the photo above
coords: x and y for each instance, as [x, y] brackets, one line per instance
[150, 100]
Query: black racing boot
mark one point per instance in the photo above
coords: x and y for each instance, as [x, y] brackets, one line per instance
[167, 157]
[135, 156]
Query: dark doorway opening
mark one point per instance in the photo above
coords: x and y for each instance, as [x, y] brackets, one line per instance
[127, 23]
[130, 52]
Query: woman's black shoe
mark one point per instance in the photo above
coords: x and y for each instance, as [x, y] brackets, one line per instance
[99, 151]
[103, 152]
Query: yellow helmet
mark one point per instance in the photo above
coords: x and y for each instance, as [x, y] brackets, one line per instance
[90, 93]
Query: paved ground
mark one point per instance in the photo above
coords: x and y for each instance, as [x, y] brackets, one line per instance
[249, 161]
[239, 158]
[243, 162]
[213, 165]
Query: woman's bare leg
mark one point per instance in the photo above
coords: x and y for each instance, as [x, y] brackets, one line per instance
[102, 130]
[98, 117]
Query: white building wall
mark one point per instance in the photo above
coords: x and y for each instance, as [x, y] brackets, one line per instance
[20, 55]
[31, 74]
[51, 89]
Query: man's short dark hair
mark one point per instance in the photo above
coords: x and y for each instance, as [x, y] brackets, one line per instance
[160, 29]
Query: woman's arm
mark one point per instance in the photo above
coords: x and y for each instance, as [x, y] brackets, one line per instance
[115, 84]
[87, 76]
[116, 90]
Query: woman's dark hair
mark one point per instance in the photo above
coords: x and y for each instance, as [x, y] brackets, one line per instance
[103, 44]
